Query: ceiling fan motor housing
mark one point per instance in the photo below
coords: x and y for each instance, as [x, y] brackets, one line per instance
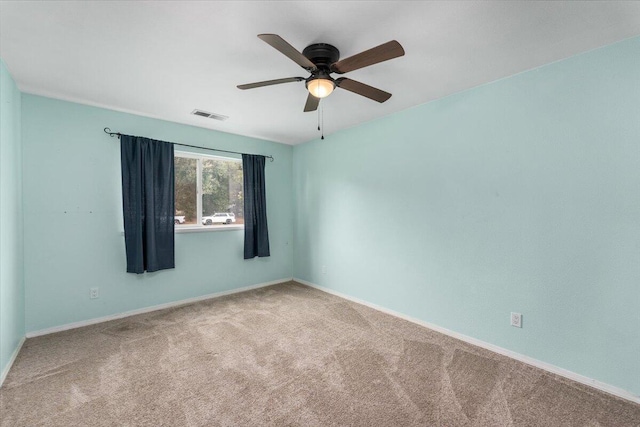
[322, 54]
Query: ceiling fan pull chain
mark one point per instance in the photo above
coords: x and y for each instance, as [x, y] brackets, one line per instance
[318, 119]
[322, 108]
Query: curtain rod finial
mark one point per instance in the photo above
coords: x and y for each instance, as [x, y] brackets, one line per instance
[111, 134]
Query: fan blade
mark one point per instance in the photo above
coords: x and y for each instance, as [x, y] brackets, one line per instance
[289, 51]
[312, 103]
[384, 52]
[362, 89]
[270, 82]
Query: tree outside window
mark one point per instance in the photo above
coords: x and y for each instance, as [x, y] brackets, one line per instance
[218, 181]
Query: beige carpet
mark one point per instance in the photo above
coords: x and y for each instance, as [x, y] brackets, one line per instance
[285, 355]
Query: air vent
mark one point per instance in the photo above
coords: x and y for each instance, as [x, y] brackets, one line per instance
[209, 115]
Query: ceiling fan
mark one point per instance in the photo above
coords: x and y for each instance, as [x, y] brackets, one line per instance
[322, 60]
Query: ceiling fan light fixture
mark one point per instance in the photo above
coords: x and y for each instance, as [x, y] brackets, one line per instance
[320, 88]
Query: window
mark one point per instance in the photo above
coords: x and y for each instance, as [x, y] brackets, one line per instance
[208, 192]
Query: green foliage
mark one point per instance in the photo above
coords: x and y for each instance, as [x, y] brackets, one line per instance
[186, 187]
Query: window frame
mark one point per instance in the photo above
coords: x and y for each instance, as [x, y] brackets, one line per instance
[198, 226]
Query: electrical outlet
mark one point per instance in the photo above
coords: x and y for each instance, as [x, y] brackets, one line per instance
[516, 320]
[94, 293]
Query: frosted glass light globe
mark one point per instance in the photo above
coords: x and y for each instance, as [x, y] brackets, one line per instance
[320, 88]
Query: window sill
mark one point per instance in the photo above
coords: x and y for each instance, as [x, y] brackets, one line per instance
[205, 229]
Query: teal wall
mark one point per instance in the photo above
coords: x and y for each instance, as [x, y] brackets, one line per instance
[11, 255]
[73, 214]
[520, 195]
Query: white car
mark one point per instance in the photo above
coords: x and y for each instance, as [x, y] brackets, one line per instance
[219, 218]
[178, 219]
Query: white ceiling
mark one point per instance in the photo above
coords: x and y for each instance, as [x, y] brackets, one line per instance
[163, 59]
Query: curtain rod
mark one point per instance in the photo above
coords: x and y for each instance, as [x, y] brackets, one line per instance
[118, 134]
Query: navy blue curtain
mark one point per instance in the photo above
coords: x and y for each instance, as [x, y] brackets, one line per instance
[148, 203]
[256, 233]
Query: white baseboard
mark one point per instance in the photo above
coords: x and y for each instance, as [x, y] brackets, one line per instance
[12, 359]
[116, 316]
[607, 388]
